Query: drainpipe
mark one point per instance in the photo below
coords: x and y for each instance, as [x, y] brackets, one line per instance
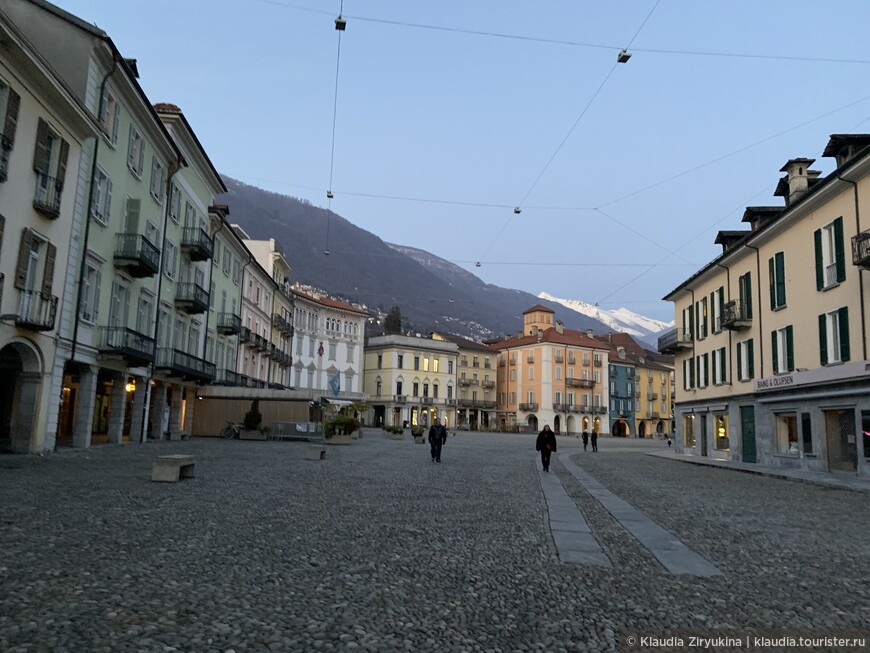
[76, 318]
[860, 276]
[174, 168]
[241, 303]
[210, 279]
[760, 321]
[728, 285]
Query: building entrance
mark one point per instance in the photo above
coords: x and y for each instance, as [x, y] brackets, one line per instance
[842, 440]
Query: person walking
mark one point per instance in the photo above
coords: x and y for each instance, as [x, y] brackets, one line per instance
[594, 440]
[546, 444]
[585, 439]
[437, 438]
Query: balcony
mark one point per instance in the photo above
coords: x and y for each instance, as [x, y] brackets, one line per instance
[572, 408]
[196, 244]
[132, 346]
[598, 410]
[137, 255]
[502, 362]
[580, 383]
[464, 382]
[463, 363]
[861, 250]
[228, 324]
[596, 362]
[560, 408]
[228, 377]
[400, 399]
[487, 364]
[655, 414]
[476, 364]
[675, 340]
[427, 400]
[244, 335]
[653, 395]
[476, 403]
[489, 385]
[187, 366]
[5, 149]
[36, 311]
[281, 323]
[736, 314]
[46, 200]
[559, 358]
[571, 359]
[191, 298]
[529, 407]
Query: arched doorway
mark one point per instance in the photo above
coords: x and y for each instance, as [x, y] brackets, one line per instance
[20, 379]
[572, 425]
[641, 430]
[621, 429]
[533, 422]
[557, 424]
[660, 428]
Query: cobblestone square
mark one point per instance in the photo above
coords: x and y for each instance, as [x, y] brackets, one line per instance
[376, 548]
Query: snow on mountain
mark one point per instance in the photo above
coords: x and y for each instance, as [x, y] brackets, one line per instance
[621, 319]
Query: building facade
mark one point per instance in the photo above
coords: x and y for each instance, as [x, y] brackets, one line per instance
[410, 380]
[771, 338]
[475, 383]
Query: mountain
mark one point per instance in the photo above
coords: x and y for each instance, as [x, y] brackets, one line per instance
[432, 293]
[620, 319]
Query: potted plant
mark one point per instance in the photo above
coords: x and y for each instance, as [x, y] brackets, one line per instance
[337, 429]
[252, 423]
[417, 432]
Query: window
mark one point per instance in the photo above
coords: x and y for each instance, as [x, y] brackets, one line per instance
[513, 401]
[782, 350]
[434, 364]
[380, 361]
[558, 373]
[400, 361]
[175, 204]
[531, 374]
[435, 390]
[426, 364]
[745, 361]
[169, 260]
[416, 363]
[378, 388]
[416, 388]
[531, 396]
[119, 305]
[703, 370]
[701, 318]
[450, 392]
[719, 367]
[787, 434]
[586, 358]
[144, 321]
[450, 367]
[110, 114]
[720, 433]
[834, 337]
[513, 375]
[689, 322]
[744, 287]
[717, 306]
[158, 180]
[688, 374]
[807, 432]
[136, 152]
[49, 158]
[398, 387]
[102, 196]
[596, 376]
[776, 268]
[830, 257]
[91, 293]
[689, 431]
[10, 102]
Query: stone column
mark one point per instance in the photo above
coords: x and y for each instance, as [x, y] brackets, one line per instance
[117, 407]
[159, 401]
[175, 413]
[84, 418]
[138, 411]
[25, 422]
[190, 394]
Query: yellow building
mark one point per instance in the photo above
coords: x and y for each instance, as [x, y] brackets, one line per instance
[771, 337]
[475, 380]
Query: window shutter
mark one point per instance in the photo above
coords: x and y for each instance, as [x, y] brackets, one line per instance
[691, 374]
[772, 273]
[98, 277]
[130, 147]
[722, 370]
[42, 153]
[823, 339]
[706, 370]
[820, 271]
[2, 224]
[721, 301]
[107, 209]
[838, 248]
[141, 165]
[789, 348]
[844, 334]
[23, 259]
[116, 120]
[750, 356]
[739, 361]
[61, 162]
[774, 351]
[692, 323]
[101, 113]
[748, 283]
[48, 274]
[131, 218]
[780, 278]
[13, 102]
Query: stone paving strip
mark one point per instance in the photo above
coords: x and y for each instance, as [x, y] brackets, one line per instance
[675, 556]
[571, 534]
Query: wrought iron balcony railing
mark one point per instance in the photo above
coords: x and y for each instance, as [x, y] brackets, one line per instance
[196, 243]
[191, 298]
[46, 200]
[137, 255]
[228, 324]
[35, 311]
[132, 346]
[188, 366]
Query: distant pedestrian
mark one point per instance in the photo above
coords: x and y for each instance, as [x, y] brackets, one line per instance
[546, 444]
[437, 438]
[585, 439]
[594, 440]
[668, 436]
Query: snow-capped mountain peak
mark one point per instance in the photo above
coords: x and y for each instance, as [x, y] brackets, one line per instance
[621, 319]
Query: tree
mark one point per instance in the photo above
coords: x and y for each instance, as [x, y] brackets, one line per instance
[393, 323]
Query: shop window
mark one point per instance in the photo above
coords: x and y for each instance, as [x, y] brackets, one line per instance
[865, 430]
[720, 434]
[689, 431]
[787, 434]
[807, 432]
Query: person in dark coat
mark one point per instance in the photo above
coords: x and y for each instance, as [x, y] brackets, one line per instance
[594, 440]
[546, 444]
[585, 439]
[437, 438]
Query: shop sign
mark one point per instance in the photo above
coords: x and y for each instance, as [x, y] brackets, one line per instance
[774, 382]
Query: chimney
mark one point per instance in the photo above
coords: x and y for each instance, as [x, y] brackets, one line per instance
[560, 328]
[620, 351]
[797, 176]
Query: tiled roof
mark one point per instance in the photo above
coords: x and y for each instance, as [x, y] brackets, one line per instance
[551, 336]
[538, 308]
[167, 107]
[326, 301]
[465, 343]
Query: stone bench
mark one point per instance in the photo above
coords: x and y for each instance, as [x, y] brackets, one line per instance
[316, 452]
[168, 469]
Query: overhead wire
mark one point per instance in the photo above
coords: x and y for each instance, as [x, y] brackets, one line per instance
[329, 193]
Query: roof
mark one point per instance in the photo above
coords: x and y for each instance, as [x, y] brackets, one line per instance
[728, 237]
[753, 213]
[802, 160]
[538, 308]
[166, 108]
[838, 142]
[550, 336]
[465, 343]
[331, 303]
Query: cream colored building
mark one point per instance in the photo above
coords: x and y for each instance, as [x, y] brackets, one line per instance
[410, 379]
[771, 337]
[551, 375]
[475, 383]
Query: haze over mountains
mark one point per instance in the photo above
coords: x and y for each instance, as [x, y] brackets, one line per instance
[432, 293]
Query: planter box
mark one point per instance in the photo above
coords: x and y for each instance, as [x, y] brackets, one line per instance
[397, 436]
[252, 435]
[419, 439]
[338, 439]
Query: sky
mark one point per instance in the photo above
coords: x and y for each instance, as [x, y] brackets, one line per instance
[433, 120]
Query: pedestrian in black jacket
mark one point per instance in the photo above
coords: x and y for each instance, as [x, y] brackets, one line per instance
[437, 438]
[546, 444]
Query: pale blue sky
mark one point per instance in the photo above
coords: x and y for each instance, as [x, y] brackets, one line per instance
[459, 117]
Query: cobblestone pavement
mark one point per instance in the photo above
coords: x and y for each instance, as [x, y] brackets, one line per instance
[378, 549]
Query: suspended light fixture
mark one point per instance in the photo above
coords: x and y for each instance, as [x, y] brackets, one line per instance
[517, 210]
[340, 23]
[623, 56]
[477, 265]
[329, 195]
